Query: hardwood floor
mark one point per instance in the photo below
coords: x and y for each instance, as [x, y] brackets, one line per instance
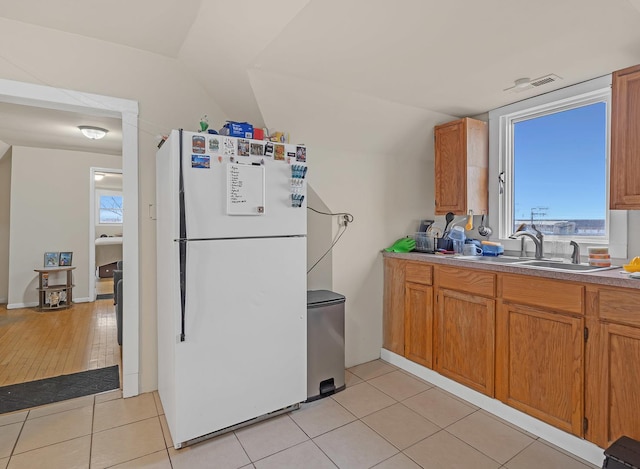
[36, 345]
[104, 285]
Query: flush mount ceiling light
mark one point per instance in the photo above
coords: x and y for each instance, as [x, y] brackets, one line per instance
[93, 133]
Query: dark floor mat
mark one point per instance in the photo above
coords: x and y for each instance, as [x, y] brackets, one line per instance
[104, 296]
[60, 388]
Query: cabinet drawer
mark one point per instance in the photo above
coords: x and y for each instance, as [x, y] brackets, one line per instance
[418, 272]
[467, 280]
[543, 293]
[619, 306]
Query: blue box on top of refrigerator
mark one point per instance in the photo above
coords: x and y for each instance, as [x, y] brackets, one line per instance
[231, 281]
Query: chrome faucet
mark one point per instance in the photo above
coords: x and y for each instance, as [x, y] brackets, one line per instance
[538, 239]
[575, 255]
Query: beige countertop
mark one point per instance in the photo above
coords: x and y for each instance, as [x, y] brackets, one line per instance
[612, 277]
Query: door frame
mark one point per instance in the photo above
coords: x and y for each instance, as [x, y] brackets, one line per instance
[29, 94]
[92, 226]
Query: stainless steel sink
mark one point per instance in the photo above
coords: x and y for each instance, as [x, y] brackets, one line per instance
[543, 264]
[556, 265]
[502, 259]
[537, 263]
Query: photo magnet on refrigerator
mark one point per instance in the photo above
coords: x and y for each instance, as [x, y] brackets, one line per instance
[200, 161]
[229, 145]
[243, 147]
[257, 149]
[268, 149]
[214, 144]
[198, 144]
[279, 153]
[301, 154]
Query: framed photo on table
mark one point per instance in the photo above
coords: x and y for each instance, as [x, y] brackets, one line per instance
[51, 259]
[65, 259]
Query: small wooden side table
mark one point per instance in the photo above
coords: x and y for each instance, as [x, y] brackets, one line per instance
[57, 296]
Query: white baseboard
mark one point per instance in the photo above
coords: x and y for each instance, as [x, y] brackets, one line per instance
[35, 303]
[574, 445]
[22, 305]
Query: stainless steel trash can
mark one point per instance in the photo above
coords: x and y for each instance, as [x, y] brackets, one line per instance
[325, 343]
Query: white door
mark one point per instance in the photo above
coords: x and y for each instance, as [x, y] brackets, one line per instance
[245, 348]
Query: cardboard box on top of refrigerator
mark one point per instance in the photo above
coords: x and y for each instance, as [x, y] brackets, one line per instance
[237, 129]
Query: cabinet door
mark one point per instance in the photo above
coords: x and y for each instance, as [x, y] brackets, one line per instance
[540, 367]
[625, 139]
[393, 306]
[450, 168]
[620, 382]
[461, 167]
[418, 323]
[465, 339]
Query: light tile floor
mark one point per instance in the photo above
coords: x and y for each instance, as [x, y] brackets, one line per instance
[386, 418]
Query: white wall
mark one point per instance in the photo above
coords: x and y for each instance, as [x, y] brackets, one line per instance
[319, 232]
[168, 98]
[5, 201]
[50, 211]
[366, 156]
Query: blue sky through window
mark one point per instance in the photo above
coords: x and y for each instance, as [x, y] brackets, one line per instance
[560, 165]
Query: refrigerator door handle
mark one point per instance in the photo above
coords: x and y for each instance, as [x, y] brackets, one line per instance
[183, 247]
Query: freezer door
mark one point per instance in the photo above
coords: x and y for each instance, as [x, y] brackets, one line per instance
[234, 196]
[245, 348]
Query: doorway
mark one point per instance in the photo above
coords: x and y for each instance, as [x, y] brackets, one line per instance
[45, 97]
[105, 235]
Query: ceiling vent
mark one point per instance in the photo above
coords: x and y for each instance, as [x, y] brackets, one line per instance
[523, 84]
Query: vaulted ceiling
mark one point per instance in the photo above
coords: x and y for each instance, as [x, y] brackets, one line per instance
[453, 57]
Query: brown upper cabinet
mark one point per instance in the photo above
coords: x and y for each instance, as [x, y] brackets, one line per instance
[461, 167]
[625, 140]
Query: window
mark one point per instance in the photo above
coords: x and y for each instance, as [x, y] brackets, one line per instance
[551, 155]
[110, 208]
[555, 157]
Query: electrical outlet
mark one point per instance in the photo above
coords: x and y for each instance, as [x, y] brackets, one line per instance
[343, 220]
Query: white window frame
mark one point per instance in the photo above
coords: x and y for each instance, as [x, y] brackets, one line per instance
[99, 194]
[501, 123]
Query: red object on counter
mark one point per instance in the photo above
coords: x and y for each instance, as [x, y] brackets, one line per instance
[258, 134]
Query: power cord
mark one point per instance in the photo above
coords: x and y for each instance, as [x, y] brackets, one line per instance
[346, 219]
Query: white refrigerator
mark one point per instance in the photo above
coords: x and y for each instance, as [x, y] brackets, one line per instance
[231, 281]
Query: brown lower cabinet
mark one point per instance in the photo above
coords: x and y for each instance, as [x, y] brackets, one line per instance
[393, 306]
[621, 382]
[418, 323]
[465, 332]
[564, 352]
[613, 373]
[540, 365]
